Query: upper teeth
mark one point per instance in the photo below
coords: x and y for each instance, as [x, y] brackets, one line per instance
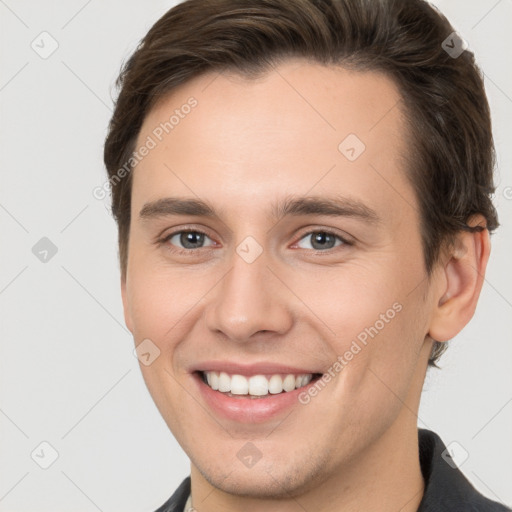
[257, 385]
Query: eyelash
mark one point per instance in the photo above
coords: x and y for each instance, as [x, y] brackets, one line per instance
[181, 251]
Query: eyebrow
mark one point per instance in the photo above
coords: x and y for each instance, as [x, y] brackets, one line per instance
[294, 206]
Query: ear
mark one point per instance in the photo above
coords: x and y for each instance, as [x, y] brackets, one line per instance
[126, 305]
[461, 278]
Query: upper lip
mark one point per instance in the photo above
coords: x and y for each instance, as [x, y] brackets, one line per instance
[260, 368]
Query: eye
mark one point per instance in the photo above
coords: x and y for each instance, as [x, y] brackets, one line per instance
[189, 239]
[321, 240]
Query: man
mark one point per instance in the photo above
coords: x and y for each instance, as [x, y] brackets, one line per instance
[302, 190]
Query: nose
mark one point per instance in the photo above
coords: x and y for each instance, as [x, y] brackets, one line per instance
[250, 299]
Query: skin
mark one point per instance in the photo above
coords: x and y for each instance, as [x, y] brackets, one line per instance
[248, 144]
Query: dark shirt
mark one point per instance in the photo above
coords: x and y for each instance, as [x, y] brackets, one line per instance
[446, 488]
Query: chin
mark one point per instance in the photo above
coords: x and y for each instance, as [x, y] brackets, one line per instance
[265, 480]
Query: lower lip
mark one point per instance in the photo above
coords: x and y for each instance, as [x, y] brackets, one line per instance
[249, 410]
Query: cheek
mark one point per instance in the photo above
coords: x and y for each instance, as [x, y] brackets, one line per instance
[372, 321]
[164, 306]
[352, 301]
[163, 300]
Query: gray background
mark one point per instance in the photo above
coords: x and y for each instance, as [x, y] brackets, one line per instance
[68, 374]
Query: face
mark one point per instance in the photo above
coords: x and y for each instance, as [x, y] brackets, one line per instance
[293, 259]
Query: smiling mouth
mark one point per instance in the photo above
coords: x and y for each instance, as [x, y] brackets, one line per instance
[256, 386]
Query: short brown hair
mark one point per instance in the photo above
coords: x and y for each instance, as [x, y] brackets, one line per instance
[452, 154]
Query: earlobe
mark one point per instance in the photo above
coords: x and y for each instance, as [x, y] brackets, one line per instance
[462, 278]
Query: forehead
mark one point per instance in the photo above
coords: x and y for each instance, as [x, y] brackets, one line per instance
[299, 127]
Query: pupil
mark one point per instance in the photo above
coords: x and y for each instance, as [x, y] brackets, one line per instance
[191, 238]
[323, 239]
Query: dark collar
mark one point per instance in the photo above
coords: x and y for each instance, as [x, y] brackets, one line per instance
[446, 488]
[176, 502]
